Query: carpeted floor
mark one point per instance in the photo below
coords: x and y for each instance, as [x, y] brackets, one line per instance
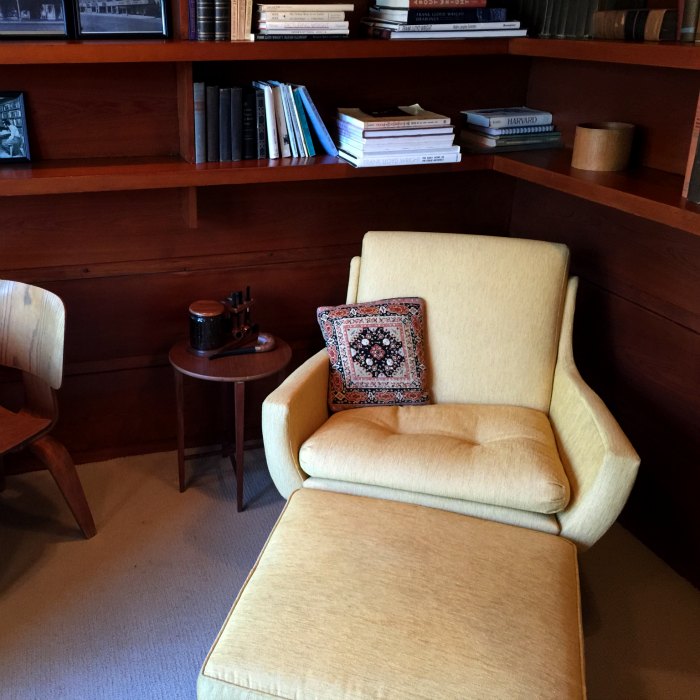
[131, 613]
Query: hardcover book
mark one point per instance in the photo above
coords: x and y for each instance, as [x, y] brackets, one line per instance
[411, 116]
[225, 125]
[509, 130]
[691, 182]
[316, 122]
[451, 155]
[307, 7]
[467, 137]
[429, 4]
[212, 123]
[507, 116]
[443, 27]
[382, 33]
[441, 16]
[205, 20]
[236, 123]
[200, 123]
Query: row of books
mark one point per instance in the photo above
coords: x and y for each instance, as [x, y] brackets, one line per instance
[303, 22]
[220, 20]
[407, 135]
[267, 119]
[439, 19]
[507, 129]
[578, 19]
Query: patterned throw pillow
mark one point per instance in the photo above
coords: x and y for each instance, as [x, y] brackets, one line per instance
[376, 353]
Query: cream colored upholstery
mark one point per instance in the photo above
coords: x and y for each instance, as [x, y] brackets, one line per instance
[364, 598]
[514, 434]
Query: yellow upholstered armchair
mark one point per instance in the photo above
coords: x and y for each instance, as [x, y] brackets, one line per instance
[512, 434]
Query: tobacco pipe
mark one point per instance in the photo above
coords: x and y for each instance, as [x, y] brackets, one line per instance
[265, 343]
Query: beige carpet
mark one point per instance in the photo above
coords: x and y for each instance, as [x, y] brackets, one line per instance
[131, 613]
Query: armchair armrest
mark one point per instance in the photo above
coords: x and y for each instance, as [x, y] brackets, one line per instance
[290, 415]
[600, 462]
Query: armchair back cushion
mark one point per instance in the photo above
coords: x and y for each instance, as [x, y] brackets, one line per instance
[493, 309]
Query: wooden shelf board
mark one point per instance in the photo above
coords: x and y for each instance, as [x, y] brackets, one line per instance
[173, 51]
[101, 175]
[665, 55]
[651, 194]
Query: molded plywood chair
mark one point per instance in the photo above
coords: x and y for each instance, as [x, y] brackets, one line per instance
[32, 322]
[513, 433]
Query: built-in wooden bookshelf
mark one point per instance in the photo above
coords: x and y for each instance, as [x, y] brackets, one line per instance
[113, 216]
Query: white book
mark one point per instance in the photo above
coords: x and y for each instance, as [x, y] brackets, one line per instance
[408, 117]
[456, 26]
[354, 131]
[301, 16]
[308, 7]
[412, 36]
[304, 25]
[500, 117]
[281, 96]
[408, 158]
[400, 143]
[304, 31]
[273, 148]
[302, 151]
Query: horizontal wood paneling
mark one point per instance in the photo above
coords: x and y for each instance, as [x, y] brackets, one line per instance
[90, 111]
[660, 102]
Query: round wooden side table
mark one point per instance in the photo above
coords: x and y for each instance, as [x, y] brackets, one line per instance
[236, 369]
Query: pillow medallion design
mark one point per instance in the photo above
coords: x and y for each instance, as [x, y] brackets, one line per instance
[376, 353]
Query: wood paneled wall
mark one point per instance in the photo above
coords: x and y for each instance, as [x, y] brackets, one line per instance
[637, 345]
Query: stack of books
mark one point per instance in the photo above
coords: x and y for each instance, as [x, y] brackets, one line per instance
[438, 19]
[303, 22]
[635, 25]
[266, 119]
[507, 129]
[397, 136]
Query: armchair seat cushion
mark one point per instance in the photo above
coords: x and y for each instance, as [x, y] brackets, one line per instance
[498, 455]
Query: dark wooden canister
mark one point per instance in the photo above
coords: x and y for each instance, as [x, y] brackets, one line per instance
[207, 325]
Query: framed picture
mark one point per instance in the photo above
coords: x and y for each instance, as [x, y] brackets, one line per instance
[109, 19]
[14, 143]
[30, 19]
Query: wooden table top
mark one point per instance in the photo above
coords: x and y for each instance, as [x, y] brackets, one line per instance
[236, 368]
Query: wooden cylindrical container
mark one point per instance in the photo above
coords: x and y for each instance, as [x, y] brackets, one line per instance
[207, 325]
[602, 146]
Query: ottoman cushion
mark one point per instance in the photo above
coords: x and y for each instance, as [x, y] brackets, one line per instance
[355, 597]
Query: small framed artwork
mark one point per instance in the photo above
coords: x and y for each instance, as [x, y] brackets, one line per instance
[30, 19]
[109, 19]
[14, 142]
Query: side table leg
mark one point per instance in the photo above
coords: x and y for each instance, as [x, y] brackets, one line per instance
[179, 402]
[239, 403]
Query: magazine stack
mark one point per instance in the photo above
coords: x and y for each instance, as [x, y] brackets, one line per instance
[439, 19]
[407, 135]
[306, 22]
[507, 129]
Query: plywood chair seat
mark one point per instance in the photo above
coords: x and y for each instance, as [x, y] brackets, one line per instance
[32, 323]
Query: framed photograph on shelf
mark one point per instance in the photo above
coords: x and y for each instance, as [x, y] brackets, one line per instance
[33, 19]
[110, 19]
[14, 141]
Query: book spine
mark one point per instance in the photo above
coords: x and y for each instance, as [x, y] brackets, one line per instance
[236, 123]
[446, 27]
[200, 124]
[192, 20]
[691, 181]
[301, 16]
[282, 132]
[514, 120]
[222, 20]
[540, 129]
[296, 124]
[474, 14]
[306, 32]
[205, 20]
[406, 159]
[212, 123]
[260, 125]
[432, 4]
[689, 20]
[300, 37]
[249, 125]
[225, 125]
[340, 26]
[319, 127]
[306, 7]
[306, 132]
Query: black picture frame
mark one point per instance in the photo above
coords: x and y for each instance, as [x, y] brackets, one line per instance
[14, 138]
[35, 19]
[121, 19]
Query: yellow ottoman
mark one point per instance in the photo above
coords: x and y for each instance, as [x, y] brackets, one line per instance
[356, 597]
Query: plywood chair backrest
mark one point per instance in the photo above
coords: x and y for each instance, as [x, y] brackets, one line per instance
[32, 324]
